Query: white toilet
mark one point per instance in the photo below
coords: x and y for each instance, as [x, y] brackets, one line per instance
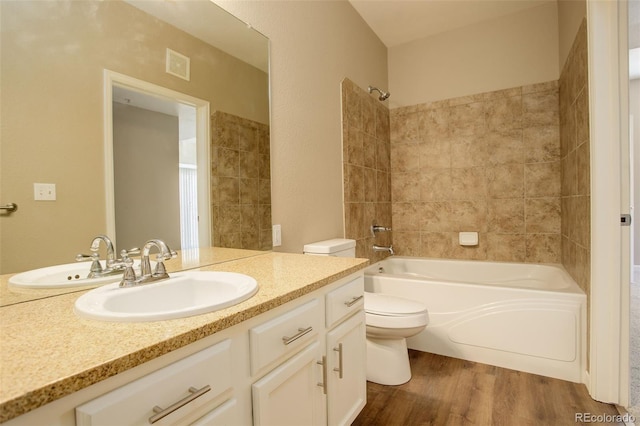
[389, 320]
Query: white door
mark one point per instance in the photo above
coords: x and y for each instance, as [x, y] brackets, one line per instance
[347, 371]
[291, 394]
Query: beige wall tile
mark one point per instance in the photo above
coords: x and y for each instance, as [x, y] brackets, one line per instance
[468, 151]
[405, 157]
[504, 113]
[542, 179]
[506, 247]
[436, 244]
[504, 147]
[468, 184]
[435, 184]
[541, 144]
[540, 109]
[542, 216]
[435, 153]
[505, 181]
[543, 248]
[405, 187]
[467, 119]
[506, 216]
[583, 169]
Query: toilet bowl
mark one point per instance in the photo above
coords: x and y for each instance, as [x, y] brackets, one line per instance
[389, 321]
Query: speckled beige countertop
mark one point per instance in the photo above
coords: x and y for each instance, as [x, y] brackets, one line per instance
[186, 259]
[47, 352]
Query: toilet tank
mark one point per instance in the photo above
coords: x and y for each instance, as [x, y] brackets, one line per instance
[339, 247]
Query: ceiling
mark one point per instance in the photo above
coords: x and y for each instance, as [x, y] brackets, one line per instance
[398, 21]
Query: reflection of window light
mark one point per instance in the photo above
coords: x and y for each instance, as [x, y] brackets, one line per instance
[634, 63]
[188, 206]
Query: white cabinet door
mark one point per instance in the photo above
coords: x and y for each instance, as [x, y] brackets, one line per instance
[346, 367]
[291, 394]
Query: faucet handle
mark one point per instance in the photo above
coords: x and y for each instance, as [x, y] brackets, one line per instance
[129, 276]
[131, 252]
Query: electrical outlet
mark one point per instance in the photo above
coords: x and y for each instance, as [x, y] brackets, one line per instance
[44, 191]
[277, 235]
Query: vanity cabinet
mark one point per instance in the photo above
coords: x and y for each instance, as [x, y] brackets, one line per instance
[316, 386]
[178, 393]
[300, 363]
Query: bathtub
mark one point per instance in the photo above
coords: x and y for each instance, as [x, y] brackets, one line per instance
[526, 317]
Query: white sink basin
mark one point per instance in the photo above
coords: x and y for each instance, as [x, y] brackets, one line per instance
[183, 295]
[60, 276]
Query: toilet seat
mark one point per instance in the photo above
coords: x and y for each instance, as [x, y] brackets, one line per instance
[386, 311]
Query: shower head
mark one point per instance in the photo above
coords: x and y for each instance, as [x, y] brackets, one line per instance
[383, 95]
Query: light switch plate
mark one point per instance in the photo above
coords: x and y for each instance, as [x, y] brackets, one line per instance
[44, 191]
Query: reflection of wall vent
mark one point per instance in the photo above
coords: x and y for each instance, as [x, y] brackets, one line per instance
[178, 64]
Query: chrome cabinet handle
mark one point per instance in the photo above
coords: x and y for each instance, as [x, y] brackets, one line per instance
[353, 301]
[323, 384]
[339, 369]
[9, 208]
[163, 412]
[301, 332]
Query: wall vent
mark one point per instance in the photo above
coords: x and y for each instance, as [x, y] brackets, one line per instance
[178, 65]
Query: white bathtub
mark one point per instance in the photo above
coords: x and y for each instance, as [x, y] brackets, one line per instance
[526, 317]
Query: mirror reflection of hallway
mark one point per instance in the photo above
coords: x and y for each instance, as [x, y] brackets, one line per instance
[154, 170]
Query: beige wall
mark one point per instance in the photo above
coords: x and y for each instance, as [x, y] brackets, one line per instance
[314, 46]
[510, 51]
[52, 65]
[570, 16]
[147, 193]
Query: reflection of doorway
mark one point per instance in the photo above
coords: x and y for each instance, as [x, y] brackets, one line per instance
[156, 146]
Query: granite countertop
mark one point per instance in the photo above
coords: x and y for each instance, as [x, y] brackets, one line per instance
[47, 352]
[186, 259]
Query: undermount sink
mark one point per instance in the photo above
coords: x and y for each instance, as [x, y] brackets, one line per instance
[60, 276]
[184, 294]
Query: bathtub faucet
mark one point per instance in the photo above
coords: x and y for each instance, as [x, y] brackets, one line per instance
[377, 228]
[383, 248]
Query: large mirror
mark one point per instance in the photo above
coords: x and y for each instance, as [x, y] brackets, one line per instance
[55, 56]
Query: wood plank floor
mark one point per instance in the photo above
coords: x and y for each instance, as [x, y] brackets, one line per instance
[449, 391]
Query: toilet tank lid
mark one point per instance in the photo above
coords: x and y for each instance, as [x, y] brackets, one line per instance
[387, 305]
[330, 246]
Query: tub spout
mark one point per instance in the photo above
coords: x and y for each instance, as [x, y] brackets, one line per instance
[383, 248]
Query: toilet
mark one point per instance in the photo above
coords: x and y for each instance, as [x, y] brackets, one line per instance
[389, 321]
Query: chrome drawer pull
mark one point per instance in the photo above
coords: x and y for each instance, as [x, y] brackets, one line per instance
[339, 369]
[323, 363]
[353, 301]
[163, 412]
[301, 332]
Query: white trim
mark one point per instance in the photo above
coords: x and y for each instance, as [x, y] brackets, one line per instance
[111, 79]
[606, 249]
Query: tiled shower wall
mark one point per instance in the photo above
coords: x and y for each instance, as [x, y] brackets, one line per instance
[240, 183]
[366, 163]
[488, 163]
[574, 148]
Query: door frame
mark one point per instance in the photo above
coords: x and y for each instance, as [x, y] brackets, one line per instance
[112, 79]
[608, 376]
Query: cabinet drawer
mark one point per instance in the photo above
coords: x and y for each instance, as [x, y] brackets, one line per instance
[168, 387]
[344, 300]
[284, 334]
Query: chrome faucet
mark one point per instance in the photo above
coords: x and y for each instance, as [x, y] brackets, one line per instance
[112, 265]
[129, 278]
[383, 248]
[377, 228]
